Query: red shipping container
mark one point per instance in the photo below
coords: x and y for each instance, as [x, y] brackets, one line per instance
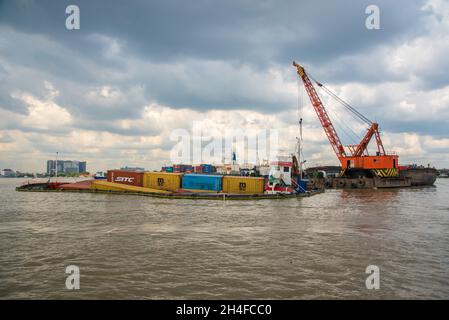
[131, 178]
[199, 169]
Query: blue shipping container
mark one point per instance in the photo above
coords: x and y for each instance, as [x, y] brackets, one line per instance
[202, 182]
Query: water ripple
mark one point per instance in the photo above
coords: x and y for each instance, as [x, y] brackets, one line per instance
[143, 248]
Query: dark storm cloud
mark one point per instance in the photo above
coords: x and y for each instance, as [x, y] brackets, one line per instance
[201, 55]
[105, 125]
[261, 32]
[438, 129]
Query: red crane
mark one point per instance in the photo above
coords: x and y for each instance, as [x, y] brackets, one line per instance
[357, 159]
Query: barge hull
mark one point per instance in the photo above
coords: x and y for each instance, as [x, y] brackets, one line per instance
[359, 183]
[369, 183]
[168, 195]
[420, 176]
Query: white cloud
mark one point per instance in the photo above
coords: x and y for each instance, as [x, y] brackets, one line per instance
[431, 142]
[43, 114]
[105, 96]
[404, 144]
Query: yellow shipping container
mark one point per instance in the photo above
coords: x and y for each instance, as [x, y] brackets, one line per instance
[112, 186]
[162, 180]
[235, 184]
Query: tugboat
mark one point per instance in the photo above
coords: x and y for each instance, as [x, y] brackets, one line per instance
[280, 177]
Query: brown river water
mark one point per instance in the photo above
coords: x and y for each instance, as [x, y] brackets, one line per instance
[131, 247]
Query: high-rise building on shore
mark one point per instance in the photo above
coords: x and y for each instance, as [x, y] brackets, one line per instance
[66, 166]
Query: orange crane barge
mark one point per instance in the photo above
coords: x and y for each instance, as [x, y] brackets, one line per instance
[359, 168]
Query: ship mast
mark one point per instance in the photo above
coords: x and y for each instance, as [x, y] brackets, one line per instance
[298, 147]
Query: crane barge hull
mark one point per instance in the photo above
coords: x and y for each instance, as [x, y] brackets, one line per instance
[325, 177]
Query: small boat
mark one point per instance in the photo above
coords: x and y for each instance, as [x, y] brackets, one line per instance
[100, 175]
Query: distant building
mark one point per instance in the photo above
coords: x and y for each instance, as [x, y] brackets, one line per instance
[82, 166]
[136, 169]
[8, 173]
[66, 166]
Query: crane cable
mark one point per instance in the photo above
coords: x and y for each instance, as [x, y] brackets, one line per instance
[335, 112]
[349, 133]
[341, 124]
[341, 101]
[300, 104]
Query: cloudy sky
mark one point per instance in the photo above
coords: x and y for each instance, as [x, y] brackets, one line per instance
[113, 91]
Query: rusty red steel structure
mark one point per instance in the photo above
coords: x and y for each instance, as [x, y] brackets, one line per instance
[358, 157]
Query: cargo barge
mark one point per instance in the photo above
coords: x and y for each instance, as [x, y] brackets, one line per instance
[104, 187]
[185, 195]
[419, 176]
[282, 183]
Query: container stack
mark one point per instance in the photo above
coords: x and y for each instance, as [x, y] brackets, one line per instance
[188, 169]
[207, 168]
[198, 169]
[178, 168]
[181, 168]
[180, 181]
